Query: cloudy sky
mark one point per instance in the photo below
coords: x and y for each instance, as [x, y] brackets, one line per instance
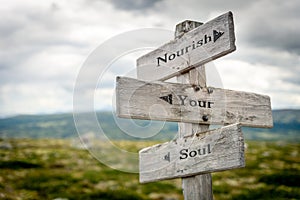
[45, 44]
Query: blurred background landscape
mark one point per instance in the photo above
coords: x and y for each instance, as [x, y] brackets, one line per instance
[62, 126]
[43, 158]
[44, 47]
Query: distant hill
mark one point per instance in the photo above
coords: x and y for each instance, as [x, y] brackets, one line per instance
[63, 126]
[286, 127]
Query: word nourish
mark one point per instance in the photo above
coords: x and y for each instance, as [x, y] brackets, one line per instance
[194, 45]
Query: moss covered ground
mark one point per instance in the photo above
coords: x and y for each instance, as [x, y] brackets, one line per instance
[55, 169]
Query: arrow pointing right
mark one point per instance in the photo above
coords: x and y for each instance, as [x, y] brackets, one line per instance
[217, 34]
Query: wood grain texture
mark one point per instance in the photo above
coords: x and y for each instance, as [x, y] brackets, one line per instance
[141, 100]
[199, 186]
[203, 44]
[215, 150]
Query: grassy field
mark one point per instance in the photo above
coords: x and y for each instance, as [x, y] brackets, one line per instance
[55, 169]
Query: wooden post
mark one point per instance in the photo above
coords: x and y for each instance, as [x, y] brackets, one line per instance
[195, 187]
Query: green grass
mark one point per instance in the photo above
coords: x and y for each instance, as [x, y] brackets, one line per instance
[272, 172]
[49, 169]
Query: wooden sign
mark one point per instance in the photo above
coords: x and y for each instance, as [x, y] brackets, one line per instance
[201, 45]
[191, 103]
[216, 150]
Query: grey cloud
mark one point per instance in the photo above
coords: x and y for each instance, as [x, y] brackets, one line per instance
[54, 7]
[274, 25]
[293, 79]
[134, 4]
[8, 27]
[268, 56]
[26, 34]
[35, 28]
[270, 36]
[220, 6]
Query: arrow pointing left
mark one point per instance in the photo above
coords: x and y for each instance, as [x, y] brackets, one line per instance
[167, 98]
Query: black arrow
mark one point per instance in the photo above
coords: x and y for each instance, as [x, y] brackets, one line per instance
[167, 98]
[167, 157]
[217, 34]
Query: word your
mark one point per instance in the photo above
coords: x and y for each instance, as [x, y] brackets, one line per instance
[194, 45]
[193, 103]
[185, 101]
[185, 153]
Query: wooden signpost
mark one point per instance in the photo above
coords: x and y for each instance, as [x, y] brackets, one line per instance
[197, 151]
[191, 103]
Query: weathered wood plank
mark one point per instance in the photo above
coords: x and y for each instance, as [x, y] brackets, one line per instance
[190, 103]
[215, 150]
[196, 47]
